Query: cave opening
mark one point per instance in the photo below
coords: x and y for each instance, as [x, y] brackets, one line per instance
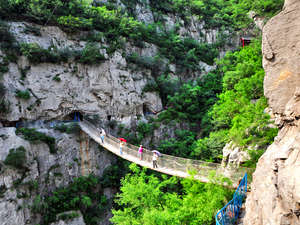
[15, 123]
[75, 116]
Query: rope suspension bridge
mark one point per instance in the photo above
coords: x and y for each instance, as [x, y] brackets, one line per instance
[175, 166]
[179, 167]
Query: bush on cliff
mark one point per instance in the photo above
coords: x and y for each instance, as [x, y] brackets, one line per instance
[16, 158]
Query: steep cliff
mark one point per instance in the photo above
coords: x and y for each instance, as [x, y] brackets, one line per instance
[41, 172]
[274, 197]
[48, 81]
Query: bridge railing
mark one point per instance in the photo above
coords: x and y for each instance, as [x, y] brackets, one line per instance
[228, 215]
[181, 165]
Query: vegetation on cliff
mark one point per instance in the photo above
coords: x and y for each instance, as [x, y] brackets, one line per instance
[83, 194]
[226, 104]
[149, 199]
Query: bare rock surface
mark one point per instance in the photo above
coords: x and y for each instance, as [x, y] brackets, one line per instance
[274, 197]
[109, 88]
[74, 221]
[49, 171]
[281, 50]
[234, 155]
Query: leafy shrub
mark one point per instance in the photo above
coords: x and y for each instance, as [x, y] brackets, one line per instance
[3, 189]
[210, 148]
[6, 38]
[142, 61]
[3, 68]
[32, 30]
[23, 94]
[8, 43]
[90, 55]
[68, 216]
[254, 157]
[36, 54]
[72, 24]
[148, 199]
[182, 145]
[151, 86]
[56, 78]
[16, 158]
[68, 128]
[167, 86]
[111, 177]
[32, 135]
[82, 194]
[4, 105]
[235, 110]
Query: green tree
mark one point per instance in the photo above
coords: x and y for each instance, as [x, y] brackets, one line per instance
[16, 158]
[146, 199]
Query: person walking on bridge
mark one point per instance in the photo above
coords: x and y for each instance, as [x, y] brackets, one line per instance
[141, 152]
[121, 147]
[103, 134]
[154, 160]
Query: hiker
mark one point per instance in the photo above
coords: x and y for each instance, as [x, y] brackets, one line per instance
[102, 135]
[121, 147]
[140, 152]
[154, 160]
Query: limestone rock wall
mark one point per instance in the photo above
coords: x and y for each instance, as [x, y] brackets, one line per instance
[106, 89]
[275, 190]
[50, 171]
[111, 90]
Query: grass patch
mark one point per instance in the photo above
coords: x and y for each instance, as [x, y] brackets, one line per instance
[30, 134]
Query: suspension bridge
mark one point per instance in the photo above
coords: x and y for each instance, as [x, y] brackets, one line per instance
[175, 166]
[180, 167]
[171, 165]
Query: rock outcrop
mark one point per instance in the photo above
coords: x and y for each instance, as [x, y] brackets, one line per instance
[234, 155]
[275, 190]
[110, 88]
[48, 171]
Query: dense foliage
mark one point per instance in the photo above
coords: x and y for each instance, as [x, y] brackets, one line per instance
[225, 105]
[239, 111]
[16, 158]
[148, 199]
[69, 128]
[36, 54]
[83, 194]
[32, 135]
[23, 94]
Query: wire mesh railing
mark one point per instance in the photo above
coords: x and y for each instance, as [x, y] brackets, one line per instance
[166, 163]
[228, 215]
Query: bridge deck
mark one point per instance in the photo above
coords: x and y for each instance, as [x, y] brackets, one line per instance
[167, 164]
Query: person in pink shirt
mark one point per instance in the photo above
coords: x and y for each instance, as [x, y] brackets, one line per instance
[141, 152]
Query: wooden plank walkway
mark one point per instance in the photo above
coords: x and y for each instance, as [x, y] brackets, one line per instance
[167, 164]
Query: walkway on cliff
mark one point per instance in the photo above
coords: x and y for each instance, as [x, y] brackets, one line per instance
[167, 164]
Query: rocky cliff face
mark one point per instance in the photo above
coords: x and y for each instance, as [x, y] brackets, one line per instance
[107, 89]
[112, 90]
[275, 190]
[76, 157]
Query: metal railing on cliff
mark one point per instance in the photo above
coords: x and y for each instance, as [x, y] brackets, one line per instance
[167, 164]
[228, 215]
